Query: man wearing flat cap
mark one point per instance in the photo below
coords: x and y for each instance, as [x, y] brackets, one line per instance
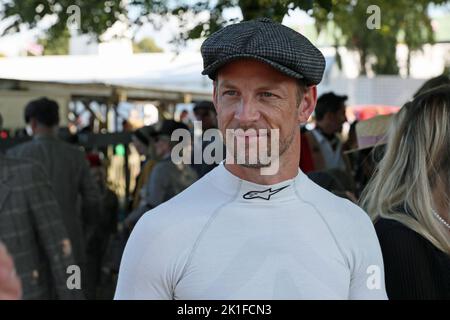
[166, 179]
[240, 233]
[205, 113]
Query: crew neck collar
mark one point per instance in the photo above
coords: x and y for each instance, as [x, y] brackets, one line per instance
[248, 191]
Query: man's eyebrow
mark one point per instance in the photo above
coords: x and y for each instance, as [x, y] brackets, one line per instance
[267, 86]
[270, 86]
[226, 83]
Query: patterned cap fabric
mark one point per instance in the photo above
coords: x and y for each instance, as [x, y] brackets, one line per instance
[273, 43]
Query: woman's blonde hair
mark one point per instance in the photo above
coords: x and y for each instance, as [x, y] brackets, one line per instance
[416, 160]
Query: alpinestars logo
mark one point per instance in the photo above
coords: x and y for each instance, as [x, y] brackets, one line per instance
[265, 194]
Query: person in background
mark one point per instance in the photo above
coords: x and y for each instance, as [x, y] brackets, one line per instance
[142, 141]
[10, 285]
[325, 144]
[167, 179]
[106, 226]
[127, 126]
[67, 168]
[351, 144]
[368, 151]
[184, 118]
[408, 198]
[433, 83]
[334, 182]
[306, 160]
[204, 112]
[352, 139]
[32, 229]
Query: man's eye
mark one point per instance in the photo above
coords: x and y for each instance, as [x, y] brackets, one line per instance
[230, 93]
[267, 94]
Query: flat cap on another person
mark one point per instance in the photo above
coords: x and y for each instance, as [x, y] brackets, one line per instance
[167, 127]
[204, 105]
[263, 39]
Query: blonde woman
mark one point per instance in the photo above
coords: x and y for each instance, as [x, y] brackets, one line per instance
[408, 199]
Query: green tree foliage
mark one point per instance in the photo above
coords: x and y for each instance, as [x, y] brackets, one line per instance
[400, 21]
[96, 16]
[403, 21]
[146, 45]
[56, 45]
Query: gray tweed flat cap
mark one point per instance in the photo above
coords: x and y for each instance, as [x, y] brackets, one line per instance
[263, 39]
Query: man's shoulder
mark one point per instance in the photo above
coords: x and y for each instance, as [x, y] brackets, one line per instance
[14, 163]
[66, 151]
[17, 169]
[349, 225]
[67, 147]
[340, 214]
[20, 149]
[37, 144]
[167, 164]
[163, 166]
[176, 224]
[170, 231]
[199, 196]
[190, 208]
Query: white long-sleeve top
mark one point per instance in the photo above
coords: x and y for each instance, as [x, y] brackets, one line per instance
[227, 238]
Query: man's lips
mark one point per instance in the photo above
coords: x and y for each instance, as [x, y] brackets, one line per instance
[251, 134]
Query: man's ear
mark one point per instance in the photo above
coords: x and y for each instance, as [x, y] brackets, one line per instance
[33, 124]
[307, 104]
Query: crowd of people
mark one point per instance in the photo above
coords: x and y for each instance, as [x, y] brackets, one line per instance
[58, 211]
[210, 231]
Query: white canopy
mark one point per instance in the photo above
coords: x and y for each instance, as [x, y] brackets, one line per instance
[156, 70]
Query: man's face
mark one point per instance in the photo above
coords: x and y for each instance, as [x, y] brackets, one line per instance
[337, 119]
[207, 117]
[162, 146]
[252, 95]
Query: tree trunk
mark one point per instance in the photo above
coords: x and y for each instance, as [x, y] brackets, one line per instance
[362, 61]
[408, 63]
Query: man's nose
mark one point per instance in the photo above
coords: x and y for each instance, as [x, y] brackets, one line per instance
[247, 111]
